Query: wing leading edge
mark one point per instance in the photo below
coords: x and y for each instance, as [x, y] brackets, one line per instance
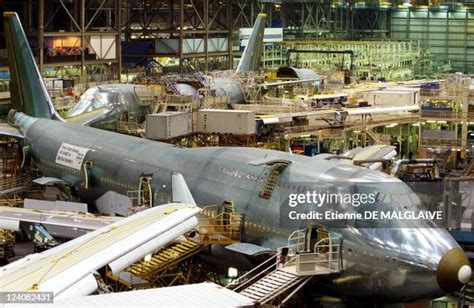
[66, 270]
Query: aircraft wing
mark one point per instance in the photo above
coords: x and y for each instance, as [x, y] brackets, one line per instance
[89, 117]
[10, 131]
[58, 223]
[67, 270]
[377, 151]
[206, 294]
[370, 156]
[284, 83]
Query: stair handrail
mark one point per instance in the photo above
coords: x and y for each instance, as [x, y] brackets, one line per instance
[330, 251]
[297, 238]
[236, 281]
[222, 224]
[291, 260]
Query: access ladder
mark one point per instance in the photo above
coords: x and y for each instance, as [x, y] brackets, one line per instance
[292, 266]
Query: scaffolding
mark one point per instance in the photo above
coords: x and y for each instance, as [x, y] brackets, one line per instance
[445, 115]
[84, 33]
[167, 266]
[198, 26]
[390, 60]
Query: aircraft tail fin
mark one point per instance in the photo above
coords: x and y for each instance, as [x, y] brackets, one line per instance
[28, 92]
[250, 60]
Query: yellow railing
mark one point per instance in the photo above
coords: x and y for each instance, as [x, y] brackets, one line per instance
[219, 228]
[7, 237]
[430, 142]
[17, 181]
[15, 202]
[445, 115]
[129, 127]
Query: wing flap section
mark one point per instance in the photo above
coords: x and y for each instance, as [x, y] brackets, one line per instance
[10, 131]
[89, 117]
[63, 267]
[371, 157]
[58, 223]
[286, 83]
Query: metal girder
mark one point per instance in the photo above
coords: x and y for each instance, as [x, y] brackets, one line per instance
[85, 19]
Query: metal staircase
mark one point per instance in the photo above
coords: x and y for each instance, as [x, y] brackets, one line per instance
[163, 259]
[170, 84]
[197, 75]
[15, 184]
[272, 285]
[291, 268]
[375, 138]
[217, 225]
[162, 105]
[272, 179]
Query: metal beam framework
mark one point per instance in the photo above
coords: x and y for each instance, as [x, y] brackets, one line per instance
[95, 27]
[195, 21]
[199, 29]
[245, 12]
[448, 35]
[325, 19]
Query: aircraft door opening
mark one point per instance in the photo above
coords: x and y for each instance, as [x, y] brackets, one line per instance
[145, 191]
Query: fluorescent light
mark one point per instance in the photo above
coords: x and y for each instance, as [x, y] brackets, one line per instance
[147, 258]
[232, 272]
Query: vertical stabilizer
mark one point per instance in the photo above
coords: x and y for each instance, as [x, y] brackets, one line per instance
[28, 92]
[250, 60]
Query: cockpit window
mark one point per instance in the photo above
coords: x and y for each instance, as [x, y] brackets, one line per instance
[390, 197]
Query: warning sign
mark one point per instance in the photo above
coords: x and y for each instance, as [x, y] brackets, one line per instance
[71, 156]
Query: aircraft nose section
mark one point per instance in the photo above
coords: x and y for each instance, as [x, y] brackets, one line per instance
[454, 270]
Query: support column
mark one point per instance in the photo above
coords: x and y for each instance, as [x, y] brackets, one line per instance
[230, 29]
[118, 42]
[206, 34]
[181, 33]
[82, 14]
[41, 36]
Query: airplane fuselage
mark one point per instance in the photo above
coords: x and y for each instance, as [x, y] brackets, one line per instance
[112, 103]
[372, 258]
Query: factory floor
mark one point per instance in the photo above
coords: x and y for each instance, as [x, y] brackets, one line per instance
[23, 249]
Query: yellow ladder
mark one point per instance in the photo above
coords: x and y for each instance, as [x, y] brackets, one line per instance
[163, 259]
[272, 180]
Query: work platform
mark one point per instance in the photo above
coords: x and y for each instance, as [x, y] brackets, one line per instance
[291, 268]
[219, 225]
